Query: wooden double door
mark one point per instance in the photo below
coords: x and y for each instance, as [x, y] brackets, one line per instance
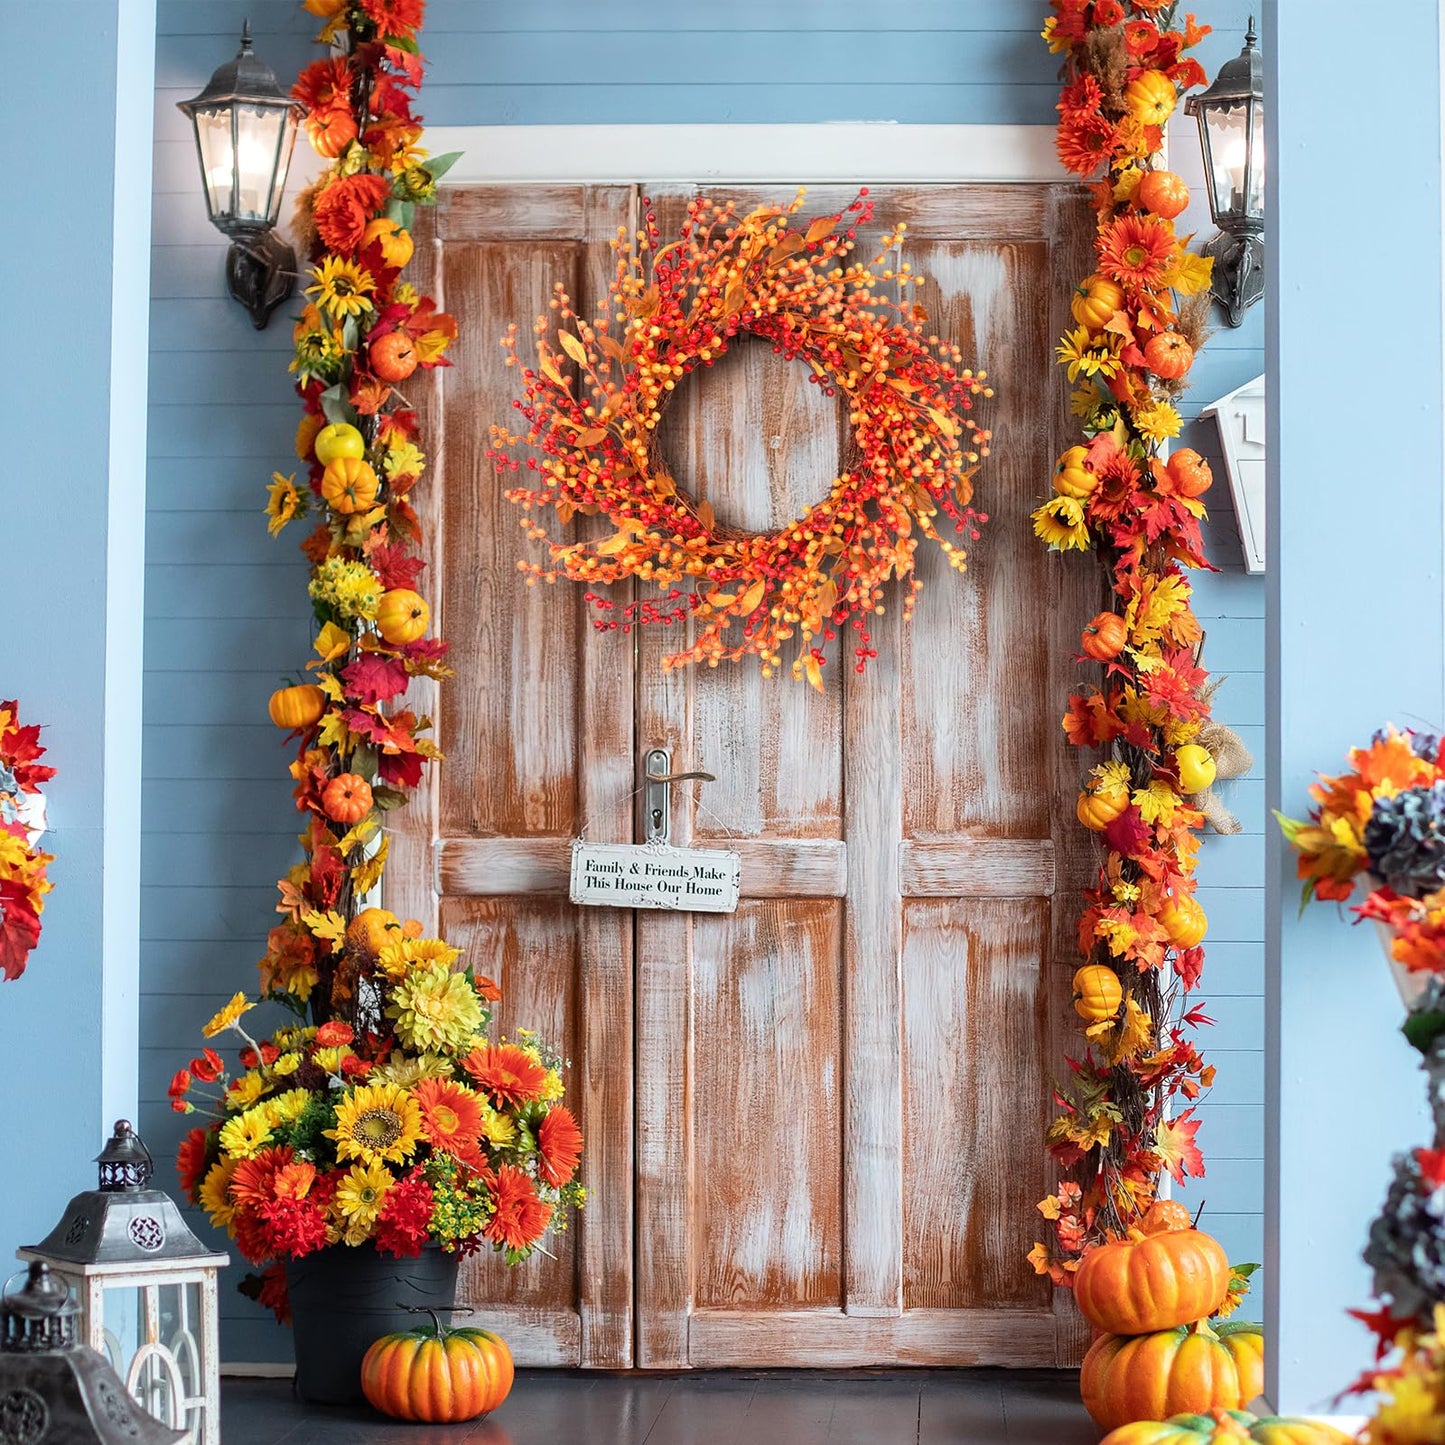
[813, 1126]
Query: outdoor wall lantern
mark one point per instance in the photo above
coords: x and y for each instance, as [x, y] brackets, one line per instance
[1231, 131]
[53, 1391]
[245, 129]
[147, 1289]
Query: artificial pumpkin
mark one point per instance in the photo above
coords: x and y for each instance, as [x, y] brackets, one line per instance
[349, 484]
[372, 929]
[402, 616]
[1162, 192]
[1189, 472]
[392, 240]
[393, 356]
[346, 799]
[1105, 636]
[340, 439]
[1099, 806]
[1165, 1215]
[1073, 477]
[1097, 993]
[1096, 299]
[1184, 920]
[1195, 767]
[1227, 1425]
[1151, 97]
[436, 1374]
[1149, 1282]
[297, 707]
[1169, 355]
[1192, 1368]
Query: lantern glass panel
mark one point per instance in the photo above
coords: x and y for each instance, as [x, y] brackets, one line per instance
[213, 137]
[1254, 190]
[1226, 140]
[151, 1336]
[263, 154]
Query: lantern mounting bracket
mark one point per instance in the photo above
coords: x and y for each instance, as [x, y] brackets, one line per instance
[260, 273]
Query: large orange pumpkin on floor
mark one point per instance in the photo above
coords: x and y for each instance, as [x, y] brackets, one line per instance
[436, 1374]
[1151, 1282]
[1191, 1369]
[1227, 1426]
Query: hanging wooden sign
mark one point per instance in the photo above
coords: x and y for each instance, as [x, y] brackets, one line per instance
[652, 875]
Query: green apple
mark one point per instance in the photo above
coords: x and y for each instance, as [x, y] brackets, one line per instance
[339, 440]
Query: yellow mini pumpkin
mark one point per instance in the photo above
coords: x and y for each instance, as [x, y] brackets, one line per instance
[1184, 920]
[1151, 97]
[1097, 993]
[1096, 299]
[1072, 477]
[349, 485]
[403, 616]
[372, 929]
[1099, 806]
[297, 707]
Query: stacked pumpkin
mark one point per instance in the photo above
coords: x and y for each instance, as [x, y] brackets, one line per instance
[1228, 1427]
[1151, 1295]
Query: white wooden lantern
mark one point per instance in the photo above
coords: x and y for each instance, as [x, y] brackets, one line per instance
[146, 1287]
[1240, 417]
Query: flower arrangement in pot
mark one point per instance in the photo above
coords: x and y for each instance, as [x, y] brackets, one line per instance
[382, 1124]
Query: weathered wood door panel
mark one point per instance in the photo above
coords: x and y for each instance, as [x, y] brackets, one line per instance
[537, 731]
[835, 1096]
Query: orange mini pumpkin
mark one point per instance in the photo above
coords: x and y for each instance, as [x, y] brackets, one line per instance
[1169, 355]
[1104, 637]
[436, 1374]
[1190, 473]
[1162, 192]
[1165, 1216]
[347, 799]
[1150, 1282]
[1097, 993]
[402, 616]
[1072, 476]
[1096, 299]
[1188, 1370]
[1151, 97]
[1184, 920]
[393, 356]
[372, 929]
[349, 485]
[1099, 806]
[297, 707]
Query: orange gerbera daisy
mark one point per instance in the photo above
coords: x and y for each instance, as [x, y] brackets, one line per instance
[521, 1218]
[1084, 141]
[1136, 251]
[451, 1116]
[254, 1181]
[509, 1074]
[559, 1141]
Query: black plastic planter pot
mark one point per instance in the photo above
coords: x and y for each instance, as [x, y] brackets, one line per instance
[343, 1299]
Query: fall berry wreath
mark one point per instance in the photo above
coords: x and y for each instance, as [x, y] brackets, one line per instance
[674, 307]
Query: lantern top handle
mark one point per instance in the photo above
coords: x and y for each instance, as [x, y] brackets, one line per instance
[125, 1162]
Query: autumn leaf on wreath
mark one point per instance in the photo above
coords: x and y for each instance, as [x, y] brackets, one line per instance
[361, 833]
[1175, 1148]
[401, 770]
[328, 873]
[330, 926]
[368, 873]
[19, 928]
[331, 642]
[373, 679]
[1135, 1033]
[393, 565]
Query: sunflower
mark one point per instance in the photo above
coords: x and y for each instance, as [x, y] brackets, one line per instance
[1087, 355]
[228, 1017]
[360, 1195]
[451, 1116]
[216, 1192]
[559, 1142]
[1136, 251]
[509, 1074]
[1060, 523]
[342, 287]
[284, 502]
[376, 1122]
[520, 1217]
[247, 1133]
[435, 1008]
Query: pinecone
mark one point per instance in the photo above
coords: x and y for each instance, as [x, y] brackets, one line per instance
[1405, 838]
[1407, 1244]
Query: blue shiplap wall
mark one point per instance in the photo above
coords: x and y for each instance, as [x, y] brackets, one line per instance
[225, 610]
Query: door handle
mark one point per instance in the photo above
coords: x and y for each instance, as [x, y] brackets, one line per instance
[657, 780]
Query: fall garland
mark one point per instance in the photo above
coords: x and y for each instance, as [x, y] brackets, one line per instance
[682, 305]
[1124, 69]
[23, 884]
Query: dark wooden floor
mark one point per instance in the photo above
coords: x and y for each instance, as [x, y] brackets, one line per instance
[774, 1407]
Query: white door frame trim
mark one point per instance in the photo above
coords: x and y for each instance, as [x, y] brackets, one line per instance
[847, 152]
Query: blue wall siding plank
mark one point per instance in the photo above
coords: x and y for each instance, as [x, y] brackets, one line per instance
[228, 697]
[214, 644]
[180, 589]
[223, 428]
[1229, 1186]
[1240, 1077]
[216, 324]
[198, 860]
[184, 378]
[191, 805]
[212, 914]
[257, 752]
[220, 484]
[1236, 915]
[217, 538]
[1231, 1131]
[1232, 968]
[184, 966]
[1232, 861]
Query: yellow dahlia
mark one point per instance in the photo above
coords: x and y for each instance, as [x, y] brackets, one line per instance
[288, 1107]
[410, 1071]
[376, 1122]
[242, 1136]
[1157, 422]
[227, 1017]
[435, 1008]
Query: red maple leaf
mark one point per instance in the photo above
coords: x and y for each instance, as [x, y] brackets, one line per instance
[328, 872]
[1189, 964]
[394, 566]
[393, 737]
[372, 679]
[1384, 1326]
[400, 770]
[1175, 1147]
[19, 928]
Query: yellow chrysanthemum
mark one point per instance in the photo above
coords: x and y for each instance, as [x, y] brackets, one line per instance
[292, 1037]
[361, 1194]
[287, 1064]
[1158, 422]
[499, 1130]
[342, 287]
[288, 1107]
[330, 1059]
[401, 954]
[284, 502]
[1060, 523]
[350, 589]
[554, 1088]
[435, 1008]
[247, 1133]
[408, 1070]
[376, 1122]
[215, 1192]
[228, 1017]
[245, 1091]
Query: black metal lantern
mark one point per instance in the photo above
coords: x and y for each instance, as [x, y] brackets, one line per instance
[54, 1391]
[1231, 132]
[245, 129]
